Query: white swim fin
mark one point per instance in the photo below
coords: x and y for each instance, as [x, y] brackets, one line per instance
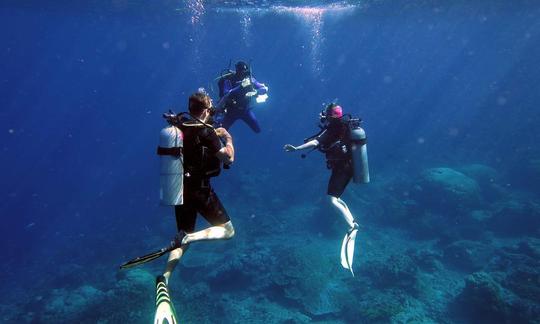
[344, 252]
[347, 250]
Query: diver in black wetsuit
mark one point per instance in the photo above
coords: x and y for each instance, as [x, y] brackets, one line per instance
[203, 154]
[336, 141]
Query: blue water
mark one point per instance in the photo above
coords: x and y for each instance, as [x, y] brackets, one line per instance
[439, 85]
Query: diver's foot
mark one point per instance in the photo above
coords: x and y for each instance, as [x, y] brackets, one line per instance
[177, 241]
[161, 278]
[353, 228]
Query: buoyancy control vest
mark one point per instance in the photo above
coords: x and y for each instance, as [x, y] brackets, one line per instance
[200, 161]
[351, 144]
[183, 154]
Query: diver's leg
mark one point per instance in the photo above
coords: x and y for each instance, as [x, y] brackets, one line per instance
[249, 118]
[340, 178]
[213, 211]
[341, 207]
[186, 216]
[218, 232]
[174, 258]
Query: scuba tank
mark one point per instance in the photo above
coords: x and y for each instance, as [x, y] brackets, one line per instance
[171, 174]
[358, 139]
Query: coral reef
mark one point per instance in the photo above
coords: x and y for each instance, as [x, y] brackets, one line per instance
[376, 306]
[453, 247]
[261, 310]
[516, 217]
[467, 255]
[483, 174]
[301, 276]
[71, 304]
[397, 270]
[446, 189]
[483, 299]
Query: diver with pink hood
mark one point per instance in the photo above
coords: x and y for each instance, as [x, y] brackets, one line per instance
[343, 142]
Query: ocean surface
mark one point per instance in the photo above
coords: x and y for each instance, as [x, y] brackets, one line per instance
[449, 95]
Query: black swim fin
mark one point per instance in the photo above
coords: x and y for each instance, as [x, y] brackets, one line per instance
[145, 258]
[176, 243]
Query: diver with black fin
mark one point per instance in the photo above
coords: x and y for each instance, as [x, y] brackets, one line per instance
[237, 91]
[205, 149]
[191, 152]
[344, 143]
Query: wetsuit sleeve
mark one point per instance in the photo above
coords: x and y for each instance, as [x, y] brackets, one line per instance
[211, 140]
[260, 87]
[225, 87]
[234, 91]
[221, 86]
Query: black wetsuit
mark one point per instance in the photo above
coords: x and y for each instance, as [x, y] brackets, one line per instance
[334, 142]
[200, 164]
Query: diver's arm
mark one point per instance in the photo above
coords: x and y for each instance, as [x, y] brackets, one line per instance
[229, 90]
[261, 88]
[234, 90]
[226, 153]
[225, 86]
[311, 144]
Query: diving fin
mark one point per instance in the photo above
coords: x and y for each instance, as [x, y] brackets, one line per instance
[165, 313]
[347, 249]
[145, 258]
[176, 243]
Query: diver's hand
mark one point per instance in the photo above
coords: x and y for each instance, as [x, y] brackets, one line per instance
[251, 93]
[289, 148]
[246, 82]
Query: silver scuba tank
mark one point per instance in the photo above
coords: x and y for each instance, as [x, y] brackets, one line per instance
[359, 155]
[171, 174]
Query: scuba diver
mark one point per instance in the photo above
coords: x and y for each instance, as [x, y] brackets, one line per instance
[204, 152]
[191, 152]
[344, 143]
[237, 90]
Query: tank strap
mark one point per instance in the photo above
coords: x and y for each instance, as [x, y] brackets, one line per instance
[172, 151]
[331, 146]
[362, 141]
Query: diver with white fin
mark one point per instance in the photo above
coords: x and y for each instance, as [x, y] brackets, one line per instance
[344, 143]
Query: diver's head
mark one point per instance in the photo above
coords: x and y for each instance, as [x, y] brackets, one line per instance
[331, 114]
[333, 111]
[242, 69]
[200, 105]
